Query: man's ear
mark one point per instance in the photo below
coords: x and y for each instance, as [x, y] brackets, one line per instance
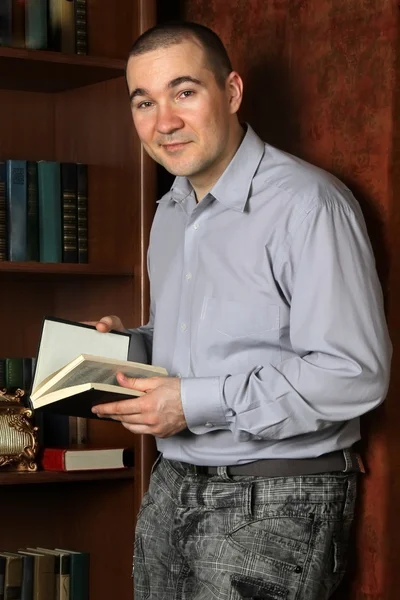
[234, 87]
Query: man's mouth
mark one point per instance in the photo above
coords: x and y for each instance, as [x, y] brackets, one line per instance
[174, 146]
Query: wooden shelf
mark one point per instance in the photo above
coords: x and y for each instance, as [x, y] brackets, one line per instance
[10, 269]
[43, 71]
[40, 477]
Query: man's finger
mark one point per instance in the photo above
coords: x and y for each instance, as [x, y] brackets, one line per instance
[129, 406]
[132, 419]
[106, 324]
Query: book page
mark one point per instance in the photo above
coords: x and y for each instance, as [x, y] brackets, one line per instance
[61, 342]
[97, 372]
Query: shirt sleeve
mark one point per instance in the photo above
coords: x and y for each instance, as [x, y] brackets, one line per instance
[338, 333]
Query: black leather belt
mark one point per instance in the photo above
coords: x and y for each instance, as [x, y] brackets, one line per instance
[346, 461]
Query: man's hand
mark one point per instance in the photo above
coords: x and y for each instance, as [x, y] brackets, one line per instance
[106, 324]
[158, 412]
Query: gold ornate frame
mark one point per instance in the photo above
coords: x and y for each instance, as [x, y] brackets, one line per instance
[18, 435]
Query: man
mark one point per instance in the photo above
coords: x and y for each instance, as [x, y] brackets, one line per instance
[267, 313]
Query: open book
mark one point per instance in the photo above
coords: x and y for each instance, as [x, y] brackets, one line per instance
[77, 365]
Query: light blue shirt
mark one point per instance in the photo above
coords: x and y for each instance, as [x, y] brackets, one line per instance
[266, 302]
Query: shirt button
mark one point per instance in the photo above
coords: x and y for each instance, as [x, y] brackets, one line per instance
[208, 424]
[195, 226]
[183, 327]
[188, 276]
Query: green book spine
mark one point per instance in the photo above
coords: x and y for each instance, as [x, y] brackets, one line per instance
[82, 185]
[3, 212]
[79, 569]
[49, 211]
[14, 369]
[32, 231]
[80, 576]
[36, 24]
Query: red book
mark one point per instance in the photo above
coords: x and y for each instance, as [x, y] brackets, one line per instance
[71, 459]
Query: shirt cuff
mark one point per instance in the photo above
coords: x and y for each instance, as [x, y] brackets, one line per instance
[202, 404]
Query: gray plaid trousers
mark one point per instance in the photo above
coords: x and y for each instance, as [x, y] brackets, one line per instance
[222, 538]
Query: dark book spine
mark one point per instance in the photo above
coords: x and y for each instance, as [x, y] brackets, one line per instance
[2, 373]
[49, 211]
[82, 186]
[81, 45]
[33, 212]
[36, 23]
[5, 22]
[54, 25]
[3, 212]
[16, 200]
[69, 212]
[18, 24]
[27, 374]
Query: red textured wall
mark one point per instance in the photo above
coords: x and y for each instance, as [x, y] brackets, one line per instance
[320, 81]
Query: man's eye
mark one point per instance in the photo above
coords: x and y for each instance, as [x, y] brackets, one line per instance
[145, 104]
[186, 94]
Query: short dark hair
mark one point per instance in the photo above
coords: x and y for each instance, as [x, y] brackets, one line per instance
[175, 32]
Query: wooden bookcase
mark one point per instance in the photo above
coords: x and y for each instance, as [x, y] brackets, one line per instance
[75, 108]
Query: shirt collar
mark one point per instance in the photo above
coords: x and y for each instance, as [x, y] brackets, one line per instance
[233, 187]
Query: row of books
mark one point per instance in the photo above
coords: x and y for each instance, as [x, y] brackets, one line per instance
[58, 25]
[53, 429]
[44, 574]
[43, 211]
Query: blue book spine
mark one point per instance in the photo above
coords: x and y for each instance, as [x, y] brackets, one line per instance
[50, 240]
[27, 577]
[5, 22]
[16, 200]
[36, 24]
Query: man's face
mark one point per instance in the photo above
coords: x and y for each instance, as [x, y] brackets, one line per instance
[181, 115]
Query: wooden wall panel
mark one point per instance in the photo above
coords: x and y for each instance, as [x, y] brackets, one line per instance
[320, 81]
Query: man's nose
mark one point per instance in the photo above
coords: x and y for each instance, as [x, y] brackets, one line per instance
[168, 120]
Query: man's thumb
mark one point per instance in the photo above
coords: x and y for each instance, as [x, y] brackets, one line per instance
[141, 384]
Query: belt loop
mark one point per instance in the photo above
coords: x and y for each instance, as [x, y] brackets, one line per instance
[223, 472]
[351, 494]
[348, 461]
